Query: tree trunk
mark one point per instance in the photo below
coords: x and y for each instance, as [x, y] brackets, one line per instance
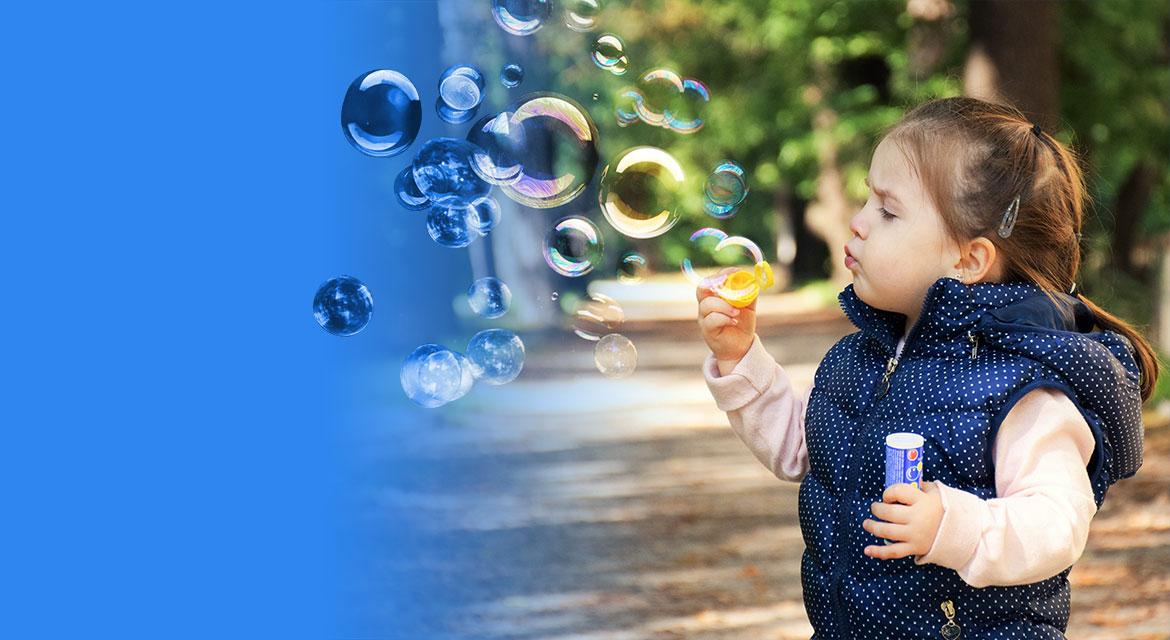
[1013, 57]
[1128, 208]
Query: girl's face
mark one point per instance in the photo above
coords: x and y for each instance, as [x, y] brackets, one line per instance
[900, 246]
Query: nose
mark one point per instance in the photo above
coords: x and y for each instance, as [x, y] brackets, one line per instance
[855, 225]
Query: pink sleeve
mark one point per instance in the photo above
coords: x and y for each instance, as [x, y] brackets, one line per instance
[763, 409]
[1039, 524]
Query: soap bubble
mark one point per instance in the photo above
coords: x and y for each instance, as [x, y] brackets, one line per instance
[407, 191]
[498, 148]
[632, 268]
[447, 225]
[626, 108]
[489, 297]
[559, 142]
[483, 215]
[442, 171]
[511, 75]
[727, 251]
[573, 247]
[461, 87]
[725, 189]
[609, 53]
[343, 305]
[596, 316]
[433, 375]
[521, 17]
[453, 116]
[665, 99]
[381, 113]
[639, 192]
[497, 356]
[615, 356]
[581, 15]
[555, 296]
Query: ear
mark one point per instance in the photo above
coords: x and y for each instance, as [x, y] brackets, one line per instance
[978, 261]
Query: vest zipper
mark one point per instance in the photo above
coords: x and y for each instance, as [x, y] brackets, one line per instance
[973, 338]
[883, 387]
[950, 630]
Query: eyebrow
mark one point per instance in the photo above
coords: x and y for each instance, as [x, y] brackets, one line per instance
[885, 193]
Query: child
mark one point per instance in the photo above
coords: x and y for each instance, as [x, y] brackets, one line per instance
[1029, 399]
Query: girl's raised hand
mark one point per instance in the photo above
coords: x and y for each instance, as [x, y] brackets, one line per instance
[727, 330]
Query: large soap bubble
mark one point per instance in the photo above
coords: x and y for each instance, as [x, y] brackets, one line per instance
[343, 305]
[433, 375]
[489, 297]
[443, 173]
[596, 316]
[381, 113]
[639, 192]
[615, 356]
[725, 189]
[497, 356]
[573, 247]
[521, 17]
[559, 150]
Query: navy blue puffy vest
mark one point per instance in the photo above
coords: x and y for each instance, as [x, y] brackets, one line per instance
[975, 351]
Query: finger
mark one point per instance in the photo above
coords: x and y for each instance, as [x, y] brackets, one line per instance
[896, 513]
[889, 551]
[716, 303]
[716, 320]
[897, 532]
[903, 493]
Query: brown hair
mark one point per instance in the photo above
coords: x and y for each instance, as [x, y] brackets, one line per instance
[974, 158]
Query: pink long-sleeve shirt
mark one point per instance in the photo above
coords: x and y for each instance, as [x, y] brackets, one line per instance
[1035, 529]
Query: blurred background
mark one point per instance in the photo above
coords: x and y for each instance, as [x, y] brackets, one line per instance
[568, 503]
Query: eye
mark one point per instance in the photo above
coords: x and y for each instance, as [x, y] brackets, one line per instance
[886, 215]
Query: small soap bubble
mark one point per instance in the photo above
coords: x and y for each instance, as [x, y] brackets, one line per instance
[433, 375]
[461, 87]
[559, 143]
[615, 356]
[497, 356]
[483, 215]
[581, 15]
[725, 189]
[555, 296]
[573, 247]
[632, 268]
[489, 297]
[343, 305]
[639, 192]
[453, 116]
[511, 75]
[448, 226]
[521, 17]
[407, 191]
[596, 316]
[609, 53]
[595, 97]
[443, 173]
[381, 113]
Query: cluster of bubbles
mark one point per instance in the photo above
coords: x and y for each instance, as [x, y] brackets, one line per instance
[597, 319]
[460, 93]
[748, 275]
[609, 53]
[662, 98]
[725, 189]
[433, 375]
[343, 305]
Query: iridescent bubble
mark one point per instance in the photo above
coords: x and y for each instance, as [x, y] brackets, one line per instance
[665, 99]
[497, 356]
[343, 305]
[498, 148]
[609, 53]
[741, 285]
[483, 215]
[632, 268]
[596, 316]
[489, 297]
[461, 87]
[433, 375]
[725, 189]
[442, 171]
[407, 191]
[511, 75]
[573, 247]
[559, 142]
[453, 116]
[521, 17]
[381, 113]
[639, 192]
[615, 356]
[626, 108]
[447, 225]
[581, 15]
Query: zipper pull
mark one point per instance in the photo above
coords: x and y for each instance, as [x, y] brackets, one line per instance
[884, 385]
[974, 339]
[950, 630]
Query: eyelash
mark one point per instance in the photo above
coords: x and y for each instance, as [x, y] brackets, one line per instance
[886, 215]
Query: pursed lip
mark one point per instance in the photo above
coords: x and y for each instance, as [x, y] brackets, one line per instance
[849, 253]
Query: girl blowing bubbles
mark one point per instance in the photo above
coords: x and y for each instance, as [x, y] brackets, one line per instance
[1028, 395]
